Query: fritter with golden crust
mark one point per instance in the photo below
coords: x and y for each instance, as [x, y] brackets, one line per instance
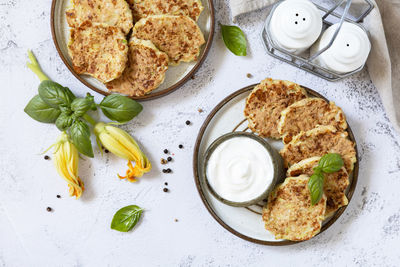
[178, 36]
[144, 8]
[98, 50]
[266, 102]
[111, 12]
[306, 114]
[335, 184]
[145, 70]
[289, 213]
[318, 142]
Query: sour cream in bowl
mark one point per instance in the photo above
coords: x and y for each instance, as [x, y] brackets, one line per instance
[241, 169]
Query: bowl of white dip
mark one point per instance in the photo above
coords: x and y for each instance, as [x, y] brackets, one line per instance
[241, 169]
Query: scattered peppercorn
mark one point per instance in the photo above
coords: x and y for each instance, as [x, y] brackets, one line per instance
[249, 75]
[165, 189]
[166, 183]
[164, 170]
[163, 161]
[180, 146]
[200, 110]
[166, 151]
[169, 170]
[46, 157]
[106, 150]
[58, 196]
[49, 209]
[169, 159]
[187, 122]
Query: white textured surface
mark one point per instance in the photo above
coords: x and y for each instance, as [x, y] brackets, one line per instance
[77, 232]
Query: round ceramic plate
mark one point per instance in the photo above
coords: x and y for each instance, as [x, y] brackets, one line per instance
[246, 223]
[175, 76]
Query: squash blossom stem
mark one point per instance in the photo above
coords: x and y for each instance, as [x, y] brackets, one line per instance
[89, 119]
[35, 67]
[66, 159]
[120, 143]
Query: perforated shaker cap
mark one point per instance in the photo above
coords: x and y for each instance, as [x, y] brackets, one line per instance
[350, 49]
[296, 24]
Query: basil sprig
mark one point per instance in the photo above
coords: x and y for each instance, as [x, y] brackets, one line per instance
[126, 218]
[120, 108]
[38, 110]
[81, 105]
[80, 136]
[54, 94]
[329, 163]
[234, 39]
[57, 104]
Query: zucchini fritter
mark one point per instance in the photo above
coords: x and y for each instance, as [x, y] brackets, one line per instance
[266, 102]
[145, 8]
[111, 12]
[145, 70]
[289, 213]
[178, 36]
[335, 184]
[98, 50]
[306, 114]
[318, 142]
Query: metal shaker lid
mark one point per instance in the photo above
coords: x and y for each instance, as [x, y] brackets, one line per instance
[296, 24]
[350, 49]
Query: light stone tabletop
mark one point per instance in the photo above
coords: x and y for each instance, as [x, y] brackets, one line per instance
[77, 232]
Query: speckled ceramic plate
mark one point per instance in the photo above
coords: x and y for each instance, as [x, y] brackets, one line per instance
[175, 77]
[246, 223]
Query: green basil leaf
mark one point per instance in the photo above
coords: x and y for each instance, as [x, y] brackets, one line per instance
[64, 121]
[54, 94]
[126, 218]
[316, 187]
[38, 110]
[120, 108]
[331, 162]
[81, 105]
[234, 39]
[80, 136]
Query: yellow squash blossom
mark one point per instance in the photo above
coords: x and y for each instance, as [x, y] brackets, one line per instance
[120, 143]
[66, 161]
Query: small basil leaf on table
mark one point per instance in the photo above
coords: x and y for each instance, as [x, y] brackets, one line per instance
[38, 110]
[81, 105]
[126, 218]
[120, 108]
[54, 94]
[64, 121]
[316, 186]
[80, 136]
[234, 39]
[330, 163]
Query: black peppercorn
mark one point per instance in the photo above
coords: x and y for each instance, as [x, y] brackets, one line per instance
[106, 150]
[164, 170]
[180, 146]
[46, 157]
[166, 183]
[166, 151]
[169, 159]
[187, 122]
[49, 209]
[169, 170]
[165, 189]
[58, 196]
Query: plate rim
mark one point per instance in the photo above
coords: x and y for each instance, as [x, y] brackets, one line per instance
[150, 96]
[199, 138]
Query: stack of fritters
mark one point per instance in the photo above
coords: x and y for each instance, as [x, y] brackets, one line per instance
[309, 128]
[164, 33]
